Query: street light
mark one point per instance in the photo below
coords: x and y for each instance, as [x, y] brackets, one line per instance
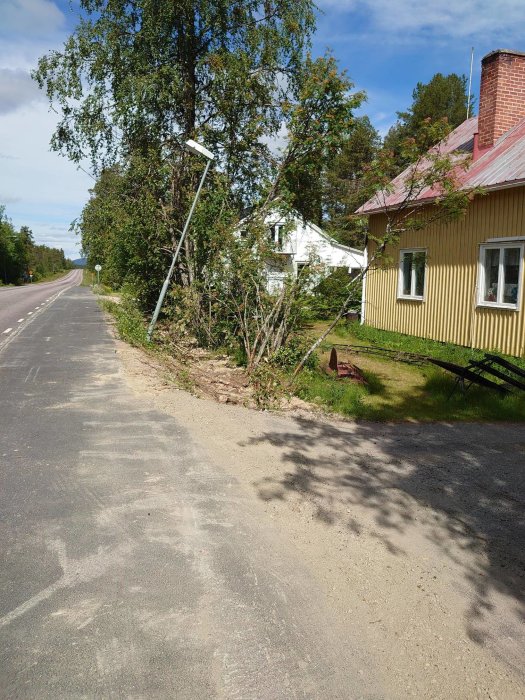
[198, 150]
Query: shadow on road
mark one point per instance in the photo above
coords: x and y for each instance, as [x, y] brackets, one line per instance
[465, 483]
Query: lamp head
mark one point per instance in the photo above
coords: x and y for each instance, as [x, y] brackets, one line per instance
[199, 150]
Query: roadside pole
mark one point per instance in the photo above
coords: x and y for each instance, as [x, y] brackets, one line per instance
[199, 150]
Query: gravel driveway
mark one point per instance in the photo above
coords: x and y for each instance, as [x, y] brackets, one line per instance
[415, 532]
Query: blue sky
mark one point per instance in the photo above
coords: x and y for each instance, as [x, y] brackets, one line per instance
[386, 46]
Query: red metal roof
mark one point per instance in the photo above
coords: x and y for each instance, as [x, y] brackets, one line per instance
[503, 165]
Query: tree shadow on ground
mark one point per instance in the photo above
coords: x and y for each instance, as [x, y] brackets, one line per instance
[465, 484]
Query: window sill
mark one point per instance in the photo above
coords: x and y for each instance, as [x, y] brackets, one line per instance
[495, 305]
[405, 298]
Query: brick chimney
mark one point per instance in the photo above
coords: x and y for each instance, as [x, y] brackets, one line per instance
[502, 95]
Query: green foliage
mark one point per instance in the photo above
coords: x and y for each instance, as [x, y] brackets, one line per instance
[336, 395]
[332, 292]
[122, 228]
[267, 385]
[318, 118]
[289, 355]
[20, 256]
[345, 186]
[228, 305]
[139, 74]
[444, 97]
[129, 320]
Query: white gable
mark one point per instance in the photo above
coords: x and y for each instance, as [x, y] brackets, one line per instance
[304, 239]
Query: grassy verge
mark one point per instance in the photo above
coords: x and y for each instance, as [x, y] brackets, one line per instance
[397, 391]
[132, 328]
[87, 278]
[129, 321]
[394, 392]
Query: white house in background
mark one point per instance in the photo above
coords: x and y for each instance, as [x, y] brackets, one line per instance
[297, 241]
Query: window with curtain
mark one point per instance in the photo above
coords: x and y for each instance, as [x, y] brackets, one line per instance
[412, 271]
[500, 275]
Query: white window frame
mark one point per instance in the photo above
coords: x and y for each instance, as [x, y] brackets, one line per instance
[277, 235]
[493, 245]
[412, 296]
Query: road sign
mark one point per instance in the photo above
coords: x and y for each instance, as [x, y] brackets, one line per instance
[98, 268]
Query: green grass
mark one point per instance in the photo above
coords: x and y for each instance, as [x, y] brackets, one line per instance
[128, 320]
[338, 396]
[87, 278]
[401, 392]
[366, 335]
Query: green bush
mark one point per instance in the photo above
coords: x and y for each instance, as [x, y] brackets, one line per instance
[292, 352]
[330, 294]
[129, 320]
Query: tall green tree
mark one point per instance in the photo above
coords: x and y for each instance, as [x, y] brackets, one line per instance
[9, 268]
[319, 119]
[138, 75]
[137, 78]
[443, 97]
[346, 186]
[19, 254]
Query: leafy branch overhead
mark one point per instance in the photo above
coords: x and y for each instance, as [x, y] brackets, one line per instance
[137, 78]
[137, 74]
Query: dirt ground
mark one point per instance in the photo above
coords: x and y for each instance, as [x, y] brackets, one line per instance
[415, 532]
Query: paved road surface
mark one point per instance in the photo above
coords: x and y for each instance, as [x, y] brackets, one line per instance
[130, 566]
[19, 304]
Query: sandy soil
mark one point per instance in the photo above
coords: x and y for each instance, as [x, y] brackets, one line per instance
[415, 532]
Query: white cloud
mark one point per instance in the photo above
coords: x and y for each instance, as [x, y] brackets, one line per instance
[17, 89]
[44, 191]
[30, 17]
[449, 18]
[41, 189]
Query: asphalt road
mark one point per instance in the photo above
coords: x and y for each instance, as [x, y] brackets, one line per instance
[19, 304]
[130, 564]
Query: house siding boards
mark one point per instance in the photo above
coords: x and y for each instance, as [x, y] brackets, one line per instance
[449, 312]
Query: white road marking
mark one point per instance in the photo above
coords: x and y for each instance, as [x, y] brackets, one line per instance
[32, 374]
[7, 330]
[37, 307]
[47, 339]
[29, 313]
[20, 320]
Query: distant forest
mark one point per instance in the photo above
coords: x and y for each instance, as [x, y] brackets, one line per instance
[22, 260]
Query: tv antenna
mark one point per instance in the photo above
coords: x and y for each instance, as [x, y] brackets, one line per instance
[470, 80]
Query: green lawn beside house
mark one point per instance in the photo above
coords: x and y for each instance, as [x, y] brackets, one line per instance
[397, 391]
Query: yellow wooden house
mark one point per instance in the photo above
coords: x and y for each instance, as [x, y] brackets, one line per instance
[463, 282]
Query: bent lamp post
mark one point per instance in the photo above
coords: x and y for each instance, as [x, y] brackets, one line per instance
[198, 150]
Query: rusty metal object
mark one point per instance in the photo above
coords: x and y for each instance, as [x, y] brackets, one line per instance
[345, 370]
